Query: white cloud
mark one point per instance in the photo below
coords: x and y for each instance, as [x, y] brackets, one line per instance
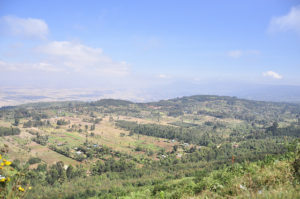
[239, 53]
[24, 27]
[70, 57]
[162, 76]
[76, 57]
[19, 67]
[288, 22]
[272, 74]
[235, 53]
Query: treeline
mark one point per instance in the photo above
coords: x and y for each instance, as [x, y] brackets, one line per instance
[162, 131]
[36, 123]
[292, 131]
[110, 102]
[249, 150]
[5, 131]
[112, 165]
[25, 113]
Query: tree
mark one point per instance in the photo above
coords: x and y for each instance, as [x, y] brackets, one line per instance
[61, 171]
[70, 172]
[93, 127]
[275, 125]
[17, 122]
[175, 147]
[274, 128]
[52, 176]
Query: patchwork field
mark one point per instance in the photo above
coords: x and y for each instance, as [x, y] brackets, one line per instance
[105, 133]
[116, 148]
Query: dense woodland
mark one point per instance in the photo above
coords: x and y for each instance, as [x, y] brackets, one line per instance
[198, 146]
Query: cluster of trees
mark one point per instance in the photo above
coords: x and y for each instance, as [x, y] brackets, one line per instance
[189, 135]
[36, 123]
[34, 160]
[292, 131]
[41, 139]
[112, 165]
[26, 113]
[149, 152]
[93, 120]
[175, 112]
[110, 102]
[249, 150]
[62, 122]
[5, 131]
[56, 173]
[62, 150]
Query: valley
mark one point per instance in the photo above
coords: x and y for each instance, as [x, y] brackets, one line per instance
[143, 145]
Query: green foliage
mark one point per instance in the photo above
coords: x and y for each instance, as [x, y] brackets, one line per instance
[17, 122]
[36, 123]
[169, 132]
[62, 122]
[34, 160]
[223, 147]
[5, 131]
[112, 165]
[110, 102]
[41, 139]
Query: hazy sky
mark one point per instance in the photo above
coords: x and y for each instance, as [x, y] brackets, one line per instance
[116, 44]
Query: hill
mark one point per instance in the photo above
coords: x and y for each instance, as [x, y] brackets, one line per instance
[195, 146]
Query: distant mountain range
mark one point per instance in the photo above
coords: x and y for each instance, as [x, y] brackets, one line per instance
[276, 93]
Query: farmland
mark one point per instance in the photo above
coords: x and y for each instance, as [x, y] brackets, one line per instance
[128, 148]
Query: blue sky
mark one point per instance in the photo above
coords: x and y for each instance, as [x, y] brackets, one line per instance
[143, 44]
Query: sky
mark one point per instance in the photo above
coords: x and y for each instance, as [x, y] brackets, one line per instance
[148, 44]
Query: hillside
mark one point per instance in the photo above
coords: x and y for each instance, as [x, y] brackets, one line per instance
[197, 146]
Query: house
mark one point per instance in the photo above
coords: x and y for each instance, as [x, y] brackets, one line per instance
[78, 152]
